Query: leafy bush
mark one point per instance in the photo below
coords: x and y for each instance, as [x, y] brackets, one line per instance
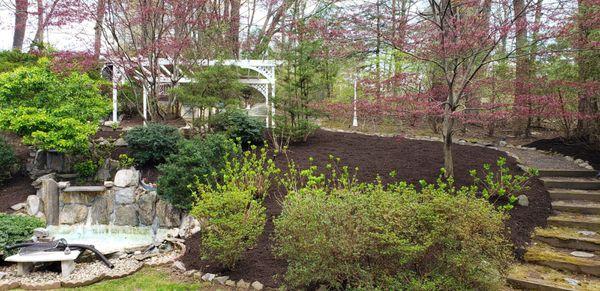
[125, 161]
[195, 159]
[11, 59]
[152, 143]
[232, 219]
[50, 111]
[285, 133]
[249, 171]
[238, 125]
[16, 228]
[500, 184]
[86, 168]
[7, 160]
[367, 236]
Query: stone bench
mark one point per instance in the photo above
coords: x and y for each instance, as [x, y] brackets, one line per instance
[25, 261]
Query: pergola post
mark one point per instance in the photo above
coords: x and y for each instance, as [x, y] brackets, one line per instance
[267, 118]
[115, 92]
[272, 104]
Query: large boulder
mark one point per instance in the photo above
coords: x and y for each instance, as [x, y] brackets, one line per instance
[189, 226]
[107, 170]
[100, 211]
[147, 207]
[125, 195]
[73, 214]
[33, 204]
[127, 178]
[168, 216]
[49, 193]
[126, 215]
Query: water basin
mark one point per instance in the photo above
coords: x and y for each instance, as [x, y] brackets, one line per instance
[107, 238]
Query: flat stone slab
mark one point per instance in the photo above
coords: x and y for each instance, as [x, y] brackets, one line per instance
[85, 189]
[40, 257]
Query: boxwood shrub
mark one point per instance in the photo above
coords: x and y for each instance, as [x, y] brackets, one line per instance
[238, 125]
[198, 159]
[16, 228]
[153, 143]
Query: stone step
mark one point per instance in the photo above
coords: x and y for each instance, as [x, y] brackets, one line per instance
[568, 173]
[573, 194]
[577, 206]
[573, 220]
[562, 259]
[535, 277]
[569, 238]
[572, 183]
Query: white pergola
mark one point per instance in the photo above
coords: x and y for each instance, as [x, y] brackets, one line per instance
[264, 84]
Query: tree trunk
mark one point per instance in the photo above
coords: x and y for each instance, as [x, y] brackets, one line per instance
[522, 66]
[100, 10]
[588, 61]
[39, 34]
[447, 132]
[20, 24]
[234, 29]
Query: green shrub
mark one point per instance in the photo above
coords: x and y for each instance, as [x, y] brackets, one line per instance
[369, 236]
[125, 161]
[7, 160]
[11, 59]
[286, 132]
[500, 185]
[153, 143]
[232, 222]
[86, 169]
[51, 112]
[196, 158]
[250, 170]
[238, 125]
[16, 228]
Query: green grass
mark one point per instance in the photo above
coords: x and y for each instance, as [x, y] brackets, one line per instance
[148, 279]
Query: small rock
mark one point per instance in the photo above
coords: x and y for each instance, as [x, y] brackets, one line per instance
[222, 279]
[127, 177]
[2, 275]
[137, 252]
[579, 161]
[587, 232]
[40, 232]
[18, 206]
[502, 143]
[174, 232]
[197, 275]
[179, 265]
[257, 285]
[569, 158]
[191, 273]
[581, 254]
[243, 284]
[63, 184]
[208, 277]
[109, 184]
[523, 200]
[230, 283]
[572, 282]
[589, 167]
[120, 142]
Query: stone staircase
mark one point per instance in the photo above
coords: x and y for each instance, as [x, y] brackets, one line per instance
[566, 254]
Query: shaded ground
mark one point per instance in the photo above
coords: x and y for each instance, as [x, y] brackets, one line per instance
[577, 148]
[412, 160]
[16, 189]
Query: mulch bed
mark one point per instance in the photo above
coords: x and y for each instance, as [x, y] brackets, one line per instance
[577, 148]
[412, 160]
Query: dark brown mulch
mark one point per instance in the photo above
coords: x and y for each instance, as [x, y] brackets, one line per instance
[15, 191]
[412, 160]
[577, 148]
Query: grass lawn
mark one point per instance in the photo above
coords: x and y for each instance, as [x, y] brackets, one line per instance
[161, 278]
